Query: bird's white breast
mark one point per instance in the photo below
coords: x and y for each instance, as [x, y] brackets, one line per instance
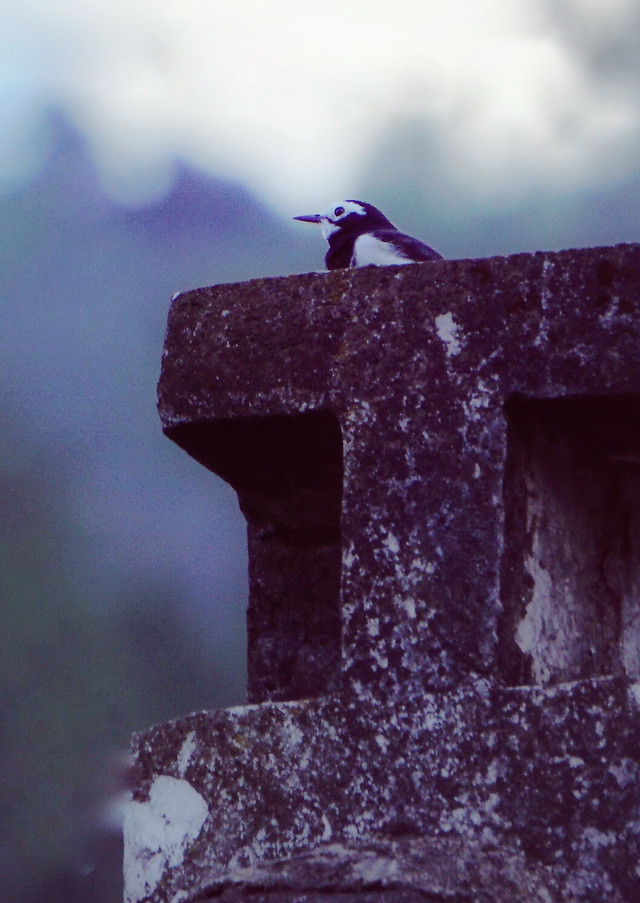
[368, 250]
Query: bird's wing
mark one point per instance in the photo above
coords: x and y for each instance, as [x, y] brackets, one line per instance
[406, 245]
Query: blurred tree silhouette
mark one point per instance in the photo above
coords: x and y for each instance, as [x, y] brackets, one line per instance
[75, 682]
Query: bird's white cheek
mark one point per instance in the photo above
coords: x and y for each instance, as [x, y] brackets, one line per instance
[328, 228]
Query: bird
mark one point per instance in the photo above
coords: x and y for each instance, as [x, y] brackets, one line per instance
[359, 235]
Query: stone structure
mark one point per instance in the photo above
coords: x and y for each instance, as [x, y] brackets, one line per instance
[439, 466]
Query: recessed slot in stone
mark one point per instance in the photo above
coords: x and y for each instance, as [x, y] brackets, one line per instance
[287, 471]
[571, 563]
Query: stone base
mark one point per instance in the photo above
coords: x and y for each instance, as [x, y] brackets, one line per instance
[487, 794]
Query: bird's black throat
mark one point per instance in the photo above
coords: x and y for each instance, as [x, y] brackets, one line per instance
[340, 249]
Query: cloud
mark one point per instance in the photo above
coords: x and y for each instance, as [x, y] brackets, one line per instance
[288, 96]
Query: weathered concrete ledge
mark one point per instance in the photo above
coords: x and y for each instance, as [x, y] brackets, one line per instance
[483, 793]
[440, 469]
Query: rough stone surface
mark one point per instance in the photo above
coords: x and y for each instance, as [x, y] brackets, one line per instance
[439, 465]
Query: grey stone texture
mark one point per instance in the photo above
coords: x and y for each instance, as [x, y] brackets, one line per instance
[439, 465]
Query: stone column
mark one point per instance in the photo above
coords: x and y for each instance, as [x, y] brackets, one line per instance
[439, 466]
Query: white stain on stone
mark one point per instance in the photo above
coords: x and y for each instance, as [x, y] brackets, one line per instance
[348, 558]
[376, 870]
[447, 328]
[479, 402]
[492, 773]
[530, 628]
[382, 742]
[158, 832]
[358, 415]
[381, 659]
[184, 756]
[542, 338]
[597, 838]
[295, 735]
[391, 543]
[624, 773]
[409, 606]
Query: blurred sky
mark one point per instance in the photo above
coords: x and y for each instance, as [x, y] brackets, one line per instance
[286, 96]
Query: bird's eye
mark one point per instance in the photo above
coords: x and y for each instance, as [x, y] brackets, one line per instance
[338, 211]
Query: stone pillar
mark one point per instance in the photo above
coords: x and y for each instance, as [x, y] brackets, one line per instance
[439, 466]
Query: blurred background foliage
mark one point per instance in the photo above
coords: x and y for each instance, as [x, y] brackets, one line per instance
[123, 567]
[76, 679]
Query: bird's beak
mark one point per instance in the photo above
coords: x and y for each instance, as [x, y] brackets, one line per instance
[310, 218]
